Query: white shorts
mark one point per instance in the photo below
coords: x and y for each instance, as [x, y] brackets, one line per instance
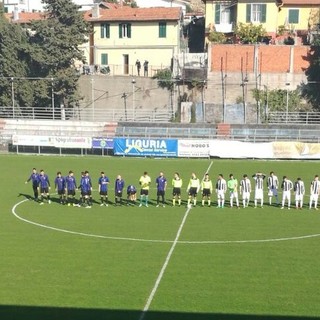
[233, 194]
[258, 194]
[286, 195]
[273, 192]
[299, 197]
[245, 195]
[220, 194]
[314, 197]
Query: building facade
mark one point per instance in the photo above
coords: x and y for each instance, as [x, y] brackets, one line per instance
[122, 37]
[278, 17]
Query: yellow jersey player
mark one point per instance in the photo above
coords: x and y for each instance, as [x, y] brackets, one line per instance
[144, 182]
[193, 189]
[206, 187]
[176, 192]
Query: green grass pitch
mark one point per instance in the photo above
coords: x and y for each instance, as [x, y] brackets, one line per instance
[104, 262]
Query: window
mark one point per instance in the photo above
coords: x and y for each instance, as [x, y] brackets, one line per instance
[104, 58]
[222, 14]
[162, 29]
[124, 30]
[256, 13]
[293, 16]
[104, 30]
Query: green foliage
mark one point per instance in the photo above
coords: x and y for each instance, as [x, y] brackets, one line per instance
[216, 37]
[276, 100]
[131, 3]
[165, 80]
[311, 90]
[249, 32]
[55, 45]
[13, 65]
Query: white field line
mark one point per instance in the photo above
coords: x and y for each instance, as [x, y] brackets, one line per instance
[157, 240]
[166, 262]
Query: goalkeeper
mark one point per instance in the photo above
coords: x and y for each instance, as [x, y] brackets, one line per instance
[233, 189]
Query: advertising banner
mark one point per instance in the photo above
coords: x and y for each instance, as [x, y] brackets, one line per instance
[102, 143]
[72, 142]
[27, 140]
[238, 149]
[268, 150]
[194, 148]
[296, 150]
[146, 147]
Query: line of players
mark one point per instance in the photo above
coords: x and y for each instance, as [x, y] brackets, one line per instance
[66, 189]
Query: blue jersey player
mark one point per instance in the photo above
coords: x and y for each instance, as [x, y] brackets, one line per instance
[161, 183]
[86, 189]
[44, 187]
[103, 189]
[34, 178]
[131, 195]
[71, 186]
[60, 186]
[118, 188]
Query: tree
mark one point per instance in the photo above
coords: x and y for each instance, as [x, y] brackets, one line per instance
[55, 43]
[311, 90]
[13, 65]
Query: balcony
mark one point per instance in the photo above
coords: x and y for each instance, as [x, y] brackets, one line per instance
[224, 27]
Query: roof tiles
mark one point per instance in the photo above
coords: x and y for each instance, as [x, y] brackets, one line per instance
[136, 14]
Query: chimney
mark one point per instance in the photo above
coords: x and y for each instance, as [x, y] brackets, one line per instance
[16, 14]
[96, 11]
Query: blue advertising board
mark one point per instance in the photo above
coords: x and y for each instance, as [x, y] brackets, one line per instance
[102, 143]
[146, 147]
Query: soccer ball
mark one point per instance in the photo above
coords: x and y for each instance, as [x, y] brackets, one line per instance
[189, 206]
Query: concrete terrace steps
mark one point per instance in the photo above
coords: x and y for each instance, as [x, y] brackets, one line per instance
[56, 128]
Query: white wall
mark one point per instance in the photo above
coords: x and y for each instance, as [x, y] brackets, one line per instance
[160, 3]
[30, 5]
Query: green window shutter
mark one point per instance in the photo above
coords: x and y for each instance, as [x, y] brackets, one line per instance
[107, 30]
[129, 30]
[263, 13]
[233, 15]
[217, 14]
[293, 16]
[101, 30]
[104, 58]
[248, 13]
[162, 29]
[120, 30]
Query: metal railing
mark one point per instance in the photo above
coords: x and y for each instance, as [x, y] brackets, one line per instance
[87, 114]
[120, 70]
[294, 117]
[239, 134]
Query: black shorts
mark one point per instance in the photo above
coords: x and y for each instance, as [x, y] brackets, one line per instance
[103, 193]
[118, 194]
[71, 192]
[160, 193]
[192, 192]
[144, 192]
[206, 192]
[176, 191]
[131, 193]
[61, 192]
[44, 190]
